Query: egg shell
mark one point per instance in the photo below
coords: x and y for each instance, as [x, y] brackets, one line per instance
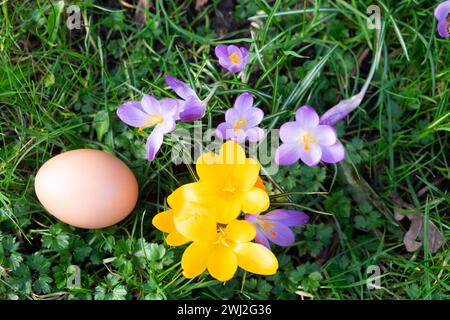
[86, 188]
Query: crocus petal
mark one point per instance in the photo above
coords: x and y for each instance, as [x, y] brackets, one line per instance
[290, 132]
[191, 192]
[236, 135]
[251, 217]
[225, 131]
[232, 153]
[169, 107]
[167, 126]
[227, 209]
[151, 105]
[243, 102]
[442, 10]
[443, 29]
[193, 109]
[254, 117]
[132, 114]
[290, 218]
[195, 223]
[255, 134]
[312, 156]
[221, 130]
[256, 258]
[180, 107]
[334, 153]
[244, 175]
[244, 53]
[164, 221]
[216, 170]
[277, 232]
[287, 154]
[207, 167]
[232, 115]
[222, 263]
[236, 67]
[226, 63]
[195, 259]
[240, 231]
[221, 51]
[307, 117]
[209, 170]
[176, 239]
[154, 142]
[254, 201]
[342, 109]
[234, 49]
[325, 135]
[181, 88]
[262, 239]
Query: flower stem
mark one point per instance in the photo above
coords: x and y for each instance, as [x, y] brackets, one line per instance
[301, 207]
[213, 90]
[285, 194]
[191, 171]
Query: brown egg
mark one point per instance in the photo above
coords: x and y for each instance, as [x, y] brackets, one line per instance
[86, 188]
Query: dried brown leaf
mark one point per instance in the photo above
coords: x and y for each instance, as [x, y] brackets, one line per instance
[199, 4]
[413, 238]
[140, 14]
[413, 233]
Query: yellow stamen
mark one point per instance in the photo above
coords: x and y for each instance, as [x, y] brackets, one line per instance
[307, 139]
[234, 57]
[152, 120]
[221, 238]
[239, 124]
[229, 187]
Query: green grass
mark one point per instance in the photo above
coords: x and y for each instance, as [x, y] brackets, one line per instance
[59, 90]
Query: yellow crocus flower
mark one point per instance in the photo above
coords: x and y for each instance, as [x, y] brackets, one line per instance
[228, 248]
[229, 179]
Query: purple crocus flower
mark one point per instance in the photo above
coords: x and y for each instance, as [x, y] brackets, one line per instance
[274, 226]
[150, 112]
[442, 14]
[231, 57]
[190, 107]
[241, 121]
[309, 140]
[343, 108]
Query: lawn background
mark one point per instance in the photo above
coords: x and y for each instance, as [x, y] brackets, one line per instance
[60, 88]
